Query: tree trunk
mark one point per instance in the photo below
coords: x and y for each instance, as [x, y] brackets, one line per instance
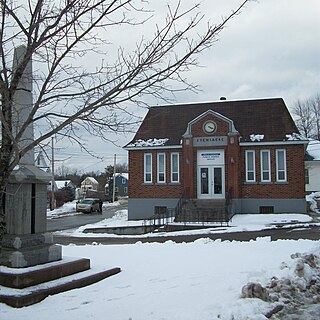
[5, 157]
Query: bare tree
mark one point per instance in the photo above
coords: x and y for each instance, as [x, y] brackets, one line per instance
[60, 36]
[304, 121]
[315, 105]
[307, 114]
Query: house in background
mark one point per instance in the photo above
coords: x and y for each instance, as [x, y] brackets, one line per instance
[312, 166]
[41, 163]
[121, 186]
[65, 192]
[89, 184]
[65, 184]
[245, 154]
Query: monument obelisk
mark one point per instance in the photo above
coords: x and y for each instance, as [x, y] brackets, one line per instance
[26, 242]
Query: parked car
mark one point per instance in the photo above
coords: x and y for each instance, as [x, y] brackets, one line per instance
[89, 205]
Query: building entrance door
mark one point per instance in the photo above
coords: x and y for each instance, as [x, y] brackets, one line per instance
[211, 184]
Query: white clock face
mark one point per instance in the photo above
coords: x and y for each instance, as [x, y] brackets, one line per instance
[209, 127]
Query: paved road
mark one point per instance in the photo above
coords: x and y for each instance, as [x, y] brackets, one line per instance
[312, 233]
[80, 219]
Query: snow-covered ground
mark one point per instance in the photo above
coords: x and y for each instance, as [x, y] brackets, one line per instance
[239, 223]
[171, 281]
[200, 280]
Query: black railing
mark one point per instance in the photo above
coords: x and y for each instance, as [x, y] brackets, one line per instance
[164, 215]
[180, 213]
[218, 214]
[160, 219]
[228, 205]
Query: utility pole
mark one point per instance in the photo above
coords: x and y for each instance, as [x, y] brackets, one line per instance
[52, 204]
[114, 178]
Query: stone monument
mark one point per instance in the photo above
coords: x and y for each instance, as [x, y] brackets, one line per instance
[26, 242]
[28, 256]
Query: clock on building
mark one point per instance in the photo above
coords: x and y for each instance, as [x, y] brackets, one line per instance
[209, 127]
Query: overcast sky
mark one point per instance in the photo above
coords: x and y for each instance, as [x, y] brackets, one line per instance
[272, 49]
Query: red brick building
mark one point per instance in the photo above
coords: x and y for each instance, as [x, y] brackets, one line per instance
[249, 150]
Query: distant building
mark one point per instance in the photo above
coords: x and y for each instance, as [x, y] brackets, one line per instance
[121, 186]
[61, 184]
[89, 183]
[64, 192]
[312, 166]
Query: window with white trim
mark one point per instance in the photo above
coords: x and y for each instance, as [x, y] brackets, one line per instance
[281, 165]
[174, 167]
[250, 166]
[147, 168]
[161, 167]
[265, 165]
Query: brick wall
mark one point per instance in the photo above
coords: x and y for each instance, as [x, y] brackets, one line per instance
[294, 188]
[139, 189]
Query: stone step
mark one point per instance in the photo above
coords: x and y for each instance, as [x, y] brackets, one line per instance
[196, 203]
[25, 277]
[202, 215]
[19, 298]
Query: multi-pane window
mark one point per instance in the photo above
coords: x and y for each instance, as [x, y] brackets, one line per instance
[174, 167]
[265, 165]
[147, 167]
[161, 167]
[250, 166]
[281, 165]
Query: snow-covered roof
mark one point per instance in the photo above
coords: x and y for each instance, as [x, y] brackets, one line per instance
[313, 149]
[125, 175]
[256, 137]
[62, 183]
[295, 137]
[148, 143]
[91, 179]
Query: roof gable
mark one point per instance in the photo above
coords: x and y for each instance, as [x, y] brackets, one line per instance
[203, 115]
[90, 180]
[267, 117]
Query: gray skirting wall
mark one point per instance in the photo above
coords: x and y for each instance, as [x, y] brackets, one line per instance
[279, 205]
[144, 208]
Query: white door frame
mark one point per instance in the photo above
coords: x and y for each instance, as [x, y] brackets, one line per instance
[208, 161]
[207, 187]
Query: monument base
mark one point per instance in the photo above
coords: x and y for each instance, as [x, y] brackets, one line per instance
[21, 251]
[27, 286]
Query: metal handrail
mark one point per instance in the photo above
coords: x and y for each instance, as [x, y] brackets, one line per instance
[161, 219]
[220, 215]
